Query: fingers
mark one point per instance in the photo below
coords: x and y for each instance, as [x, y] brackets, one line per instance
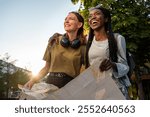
[54, 38]
[105, 65]
[56, 35]
[29, 84]
[102, 66]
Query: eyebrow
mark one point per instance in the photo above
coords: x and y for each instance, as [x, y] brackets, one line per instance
[97, 11]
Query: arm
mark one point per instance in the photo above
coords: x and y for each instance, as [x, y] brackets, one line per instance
[121, 65]
[120, 68]
[47, 57]
[40, 75]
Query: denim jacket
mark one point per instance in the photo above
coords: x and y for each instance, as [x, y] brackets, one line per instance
[120, 76]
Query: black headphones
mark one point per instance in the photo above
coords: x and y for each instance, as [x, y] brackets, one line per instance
[73, 44]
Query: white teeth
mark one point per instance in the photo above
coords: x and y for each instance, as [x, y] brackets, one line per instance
[67, 25]
[94, 22]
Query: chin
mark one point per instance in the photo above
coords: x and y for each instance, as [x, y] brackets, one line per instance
[94, 28]
[67, 30]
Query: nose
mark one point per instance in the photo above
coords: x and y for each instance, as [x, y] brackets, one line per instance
[92, 16]
[66, 20]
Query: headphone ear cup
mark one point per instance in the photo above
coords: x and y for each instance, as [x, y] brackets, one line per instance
[64, 42]
[75, 43]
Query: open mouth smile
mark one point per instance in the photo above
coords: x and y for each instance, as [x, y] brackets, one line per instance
[94, 22]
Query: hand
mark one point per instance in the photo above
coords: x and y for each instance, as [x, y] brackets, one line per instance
[29, 84]
[106, 64]
[54, 38]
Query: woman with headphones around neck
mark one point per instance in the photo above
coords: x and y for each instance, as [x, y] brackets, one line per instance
[102, 46]
[63, 55]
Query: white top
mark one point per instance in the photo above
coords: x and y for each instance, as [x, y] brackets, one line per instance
[98, 51]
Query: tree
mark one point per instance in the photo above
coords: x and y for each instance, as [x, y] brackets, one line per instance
[11, 76]
[6, 68]
[131, 18]
[19, 77]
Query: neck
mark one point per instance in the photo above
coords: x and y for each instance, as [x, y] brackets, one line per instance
[100, 35]
[72, 35]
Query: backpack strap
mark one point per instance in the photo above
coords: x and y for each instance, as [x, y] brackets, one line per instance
[116, 35]
[130, 60]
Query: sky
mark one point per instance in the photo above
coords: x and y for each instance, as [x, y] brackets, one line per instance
[25, 27]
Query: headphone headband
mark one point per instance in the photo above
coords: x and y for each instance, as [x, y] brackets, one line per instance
[73, 44]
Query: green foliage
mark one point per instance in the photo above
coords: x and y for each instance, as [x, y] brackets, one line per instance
[11, 81]
[131, 18]
[74, 1]
[19, 77]
[11, 76]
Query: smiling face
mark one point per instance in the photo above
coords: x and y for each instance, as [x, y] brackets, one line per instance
[96, 19]
[71, 23]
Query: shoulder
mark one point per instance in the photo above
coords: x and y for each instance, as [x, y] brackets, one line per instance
[119, 38]
[54, 38]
